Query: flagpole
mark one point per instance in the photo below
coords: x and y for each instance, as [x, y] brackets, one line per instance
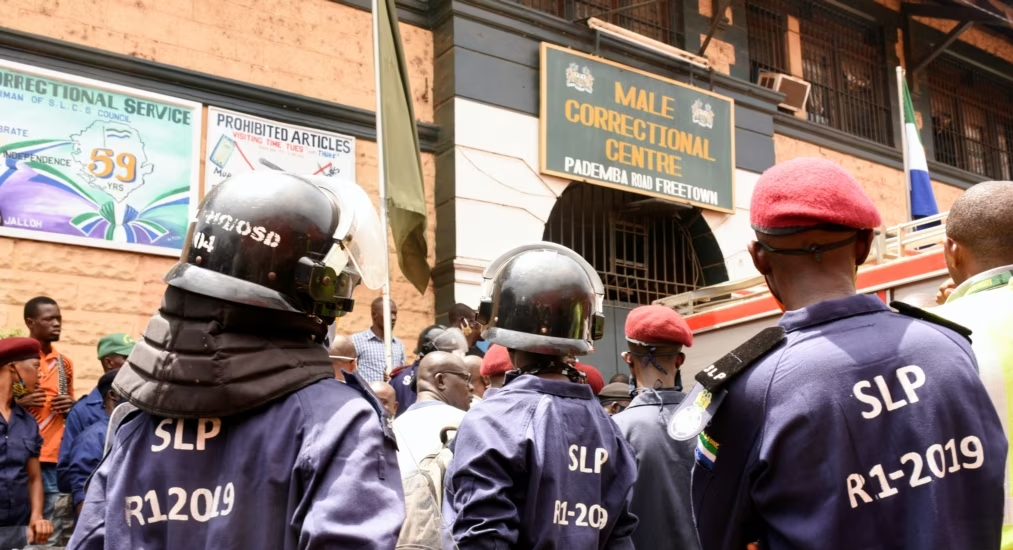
[903, 141]
[381, 182]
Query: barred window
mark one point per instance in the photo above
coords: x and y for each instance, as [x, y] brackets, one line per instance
[657, 19]
[642, 252]
[972, 118]
[842, 55]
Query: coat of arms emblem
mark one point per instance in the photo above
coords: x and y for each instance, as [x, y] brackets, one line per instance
[703, 114]
[578, 78]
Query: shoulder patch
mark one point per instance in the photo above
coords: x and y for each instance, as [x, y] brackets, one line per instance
[697, 409]
[919, 313]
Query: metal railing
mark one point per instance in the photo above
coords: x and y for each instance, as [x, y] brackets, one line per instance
[890, 244]
[639, 247]
[972, 118]
[658, 19]
[843, 57]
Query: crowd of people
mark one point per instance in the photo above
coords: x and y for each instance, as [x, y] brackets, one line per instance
[241, 420]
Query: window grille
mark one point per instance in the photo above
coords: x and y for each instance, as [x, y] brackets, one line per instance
[639, 246]
[972, 118]
[660, 19]
[843, 57]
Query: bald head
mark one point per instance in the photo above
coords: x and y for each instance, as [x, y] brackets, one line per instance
[979, 229]
[478, 384]
[385, 393]
[343, 355]
[444, 377]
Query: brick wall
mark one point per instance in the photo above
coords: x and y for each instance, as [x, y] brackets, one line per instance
[315, 48]
[884, 184]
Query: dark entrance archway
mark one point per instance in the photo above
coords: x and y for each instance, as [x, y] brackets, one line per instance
[643, 249]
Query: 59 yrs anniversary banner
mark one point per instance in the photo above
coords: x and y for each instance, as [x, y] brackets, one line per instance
[90, 163]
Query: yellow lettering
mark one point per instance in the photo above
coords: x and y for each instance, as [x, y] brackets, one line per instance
[571, 105]
[626, 99]
[697, 147]
[611, 147]
[601, 118]
[615, 122]
[667, 109]
[638, 129]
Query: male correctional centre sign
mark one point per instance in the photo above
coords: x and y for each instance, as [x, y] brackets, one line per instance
[612, 125]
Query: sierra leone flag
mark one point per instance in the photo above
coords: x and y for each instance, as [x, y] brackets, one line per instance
[706, 451]
[923, 201]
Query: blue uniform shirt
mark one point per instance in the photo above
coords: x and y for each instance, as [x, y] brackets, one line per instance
[403, 392]
[21, 441]
[82, 460]
[314, 469]
[863, 429]
[83, 414]
[540, 465]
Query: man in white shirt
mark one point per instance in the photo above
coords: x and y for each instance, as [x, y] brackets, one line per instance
[444, 394]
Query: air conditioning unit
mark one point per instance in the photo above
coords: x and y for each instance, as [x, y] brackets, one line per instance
[795, 90]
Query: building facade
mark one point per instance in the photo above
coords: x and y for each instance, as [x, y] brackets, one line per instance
[476, 70]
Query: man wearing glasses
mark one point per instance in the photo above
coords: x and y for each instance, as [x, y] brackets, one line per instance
[444, 394]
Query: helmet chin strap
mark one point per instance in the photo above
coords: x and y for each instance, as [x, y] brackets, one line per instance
[555, 366]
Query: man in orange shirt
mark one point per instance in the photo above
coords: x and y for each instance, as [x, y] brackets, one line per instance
[51, 400]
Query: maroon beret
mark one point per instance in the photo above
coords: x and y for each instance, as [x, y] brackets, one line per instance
[657, 325]
[19, 349]
[496, 361]
[809, 193]
[592, 376]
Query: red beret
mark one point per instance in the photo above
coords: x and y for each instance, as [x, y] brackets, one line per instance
[19, 349]
[657, 325]
[594, 378]
[496, 361]
[809, 193]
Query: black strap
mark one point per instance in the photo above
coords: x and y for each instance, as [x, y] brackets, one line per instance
[816, 250]
[725, 370]
[918, 313]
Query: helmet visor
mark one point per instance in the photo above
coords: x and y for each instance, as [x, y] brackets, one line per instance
[359, 237]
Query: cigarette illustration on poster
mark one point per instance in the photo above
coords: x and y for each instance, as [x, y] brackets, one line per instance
[238, 143]
[91, 163]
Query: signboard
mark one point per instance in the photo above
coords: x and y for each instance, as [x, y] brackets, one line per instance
[95, 164]
[238, 143]
[612, 125]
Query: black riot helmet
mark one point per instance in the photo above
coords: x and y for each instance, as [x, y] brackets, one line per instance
[542, 298]
[440, 338]
[279, 241]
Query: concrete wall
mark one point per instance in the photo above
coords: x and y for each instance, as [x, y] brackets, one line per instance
[315, 48]
[500, 199]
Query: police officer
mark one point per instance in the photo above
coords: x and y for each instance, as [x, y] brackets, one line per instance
[495, 366]
[862, 428]
[540, 464]
[656, 336]
[244, 439]
[432, 338]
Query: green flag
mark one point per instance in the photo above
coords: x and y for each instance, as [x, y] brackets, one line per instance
[406, 198]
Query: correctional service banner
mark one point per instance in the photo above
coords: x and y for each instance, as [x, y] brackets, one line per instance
[238, 143]
[95, 164]
[616, 126]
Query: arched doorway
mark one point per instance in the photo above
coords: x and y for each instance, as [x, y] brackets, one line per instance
[643, 249]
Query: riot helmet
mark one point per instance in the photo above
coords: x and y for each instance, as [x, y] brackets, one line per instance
[285, 242]
[440, 338]
[542, 298]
